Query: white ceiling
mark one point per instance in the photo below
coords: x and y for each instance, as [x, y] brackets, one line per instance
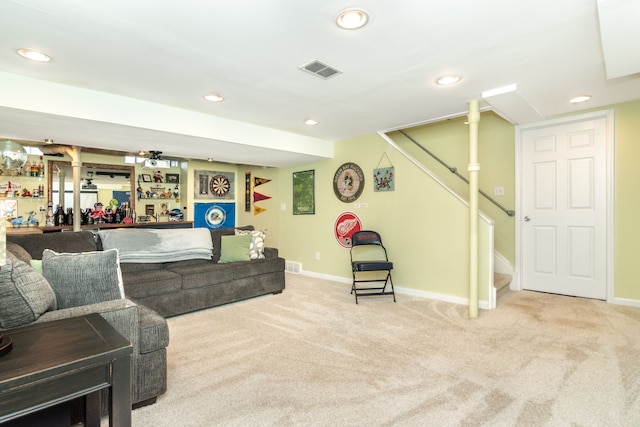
[131, 75]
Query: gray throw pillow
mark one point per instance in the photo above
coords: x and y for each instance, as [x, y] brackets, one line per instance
[19, 252]
[83, 278]
[24, 293]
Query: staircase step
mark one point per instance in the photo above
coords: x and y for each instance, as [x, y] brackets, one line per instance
[501, 283]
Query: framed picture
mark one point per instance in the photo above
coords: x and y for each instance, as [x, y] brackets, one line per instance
[145, 177]
[304, 193]
[149, 209]
[384, 179]
[172, 178]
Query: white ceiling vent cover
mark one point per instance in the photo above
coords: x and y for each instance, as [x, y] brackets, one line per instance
[320, 69]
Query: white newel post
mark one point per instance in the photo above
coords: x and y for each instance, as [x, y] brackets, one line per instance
[474, 170]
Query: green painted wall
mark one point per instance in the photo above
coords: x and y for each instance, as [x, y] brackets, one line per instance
[449, 141]
[423, 227]
[627, 201]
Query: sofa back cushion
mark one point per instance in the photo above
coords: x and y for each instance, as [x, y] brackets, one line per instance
[24, 294]
[83, 278]
[35, 244]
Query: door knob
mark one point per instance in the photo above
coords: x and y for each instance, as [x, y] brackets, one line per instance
[527, 219]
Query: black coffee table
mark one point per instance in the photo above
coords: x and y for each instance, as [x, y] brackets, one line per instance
[54, 362]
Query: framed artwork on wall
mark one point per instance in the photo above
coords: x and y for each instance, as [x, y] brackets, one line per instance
[172, 178]
[304, 193]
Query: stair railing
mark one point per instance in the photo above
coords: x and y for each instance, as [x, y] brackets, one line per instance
[454, 171]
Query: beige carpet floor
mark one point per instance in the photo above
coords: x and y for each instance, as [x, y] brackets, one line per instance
[312, 357]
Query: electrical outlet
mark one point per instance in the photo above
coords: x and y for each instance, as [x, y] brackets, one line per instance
[498, 191]
[317, 256]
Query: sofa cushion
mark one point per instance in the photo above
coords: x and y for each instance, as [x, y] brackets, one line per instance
[258, 267]
[145, 283]
[158, 245]
[35, 244]
[235, 248]
[203, 273]
[25, 294]
[256, 249]
[83, 278]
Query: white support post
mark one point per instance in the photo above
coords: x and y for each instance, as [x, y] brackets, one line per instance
[474, 170]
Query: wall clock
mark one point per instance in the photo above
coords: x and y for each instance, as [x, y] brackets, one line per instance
[348, 182]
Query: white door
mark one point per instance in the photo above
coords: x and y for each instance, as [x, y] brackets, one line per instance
[564, 208]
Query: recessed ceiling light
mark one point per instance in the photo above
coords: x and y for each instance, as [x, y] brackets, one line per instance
[352, 19]
[34, 55]
[311, 122]
[214, 97]
[581, 98]
[448, 79]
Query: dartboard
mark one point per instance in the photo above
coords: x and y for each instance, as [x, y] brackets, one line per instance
[220, 185]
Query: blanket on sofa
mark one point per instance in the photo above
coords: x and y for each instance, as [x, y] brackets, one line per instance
[154, 246]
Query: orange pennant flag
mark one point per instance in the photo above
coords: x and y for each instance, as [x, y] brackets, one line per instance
[257, 210]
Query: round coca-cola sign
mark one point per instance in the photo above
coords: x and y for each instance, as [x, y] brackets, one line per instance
[346, 224]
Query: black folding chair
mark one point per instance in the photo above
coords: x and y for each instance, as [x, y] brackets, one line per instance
[369, 263]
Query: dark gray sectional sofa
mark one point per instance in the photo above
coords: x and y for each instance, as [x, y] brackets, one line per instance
[174, 288]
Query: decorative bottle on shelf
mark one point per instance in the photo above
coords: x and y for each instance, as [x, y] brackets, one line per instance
[59, 218]
[69, 216]
[41, 168]
[49, 220]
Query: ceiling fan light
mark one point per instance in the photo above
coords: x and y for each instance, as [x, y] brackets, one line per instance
[352, 19]
[34, 55]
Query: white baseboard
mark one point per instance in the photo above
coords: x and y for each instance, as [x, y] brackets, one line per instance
[404, 291]
[627, 302]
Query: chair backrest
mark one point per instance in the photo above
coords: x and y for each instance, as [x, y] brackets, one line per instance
[361, 240]
[366, 237]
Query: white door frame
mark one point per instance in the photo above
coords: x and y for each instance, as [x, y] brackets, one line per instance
[608, 115]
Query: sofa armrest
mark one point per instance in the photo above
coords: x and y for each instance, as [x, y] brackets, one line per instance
[271, 253]
[122, 314]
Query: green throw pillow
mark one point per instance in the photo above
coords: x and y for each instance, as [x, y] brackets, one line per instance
[36, 264]
[235, 248]
[83, 278]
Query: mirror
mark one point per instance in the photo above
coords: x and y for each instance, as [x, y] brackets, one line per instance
[99, 183]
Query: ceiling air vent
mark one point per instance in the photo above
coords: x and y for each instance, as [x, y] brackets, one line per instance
[320, 69]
